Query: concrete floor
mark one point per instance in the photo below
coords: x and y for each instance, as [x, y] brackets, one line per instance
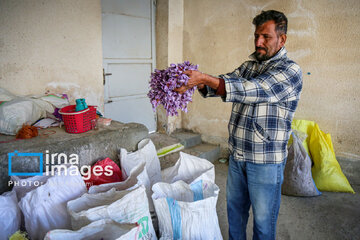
[329, 216]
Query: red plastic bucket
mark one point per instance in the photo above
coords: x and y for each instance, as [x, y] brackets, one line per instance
[77, 122]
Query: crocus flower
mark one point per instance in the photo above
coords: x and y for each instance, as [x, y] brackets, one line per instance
[163, 83]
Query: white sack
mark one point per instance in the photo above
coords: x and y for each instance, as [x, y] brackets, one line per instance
[23, 185]
[44, 208]
[120, 206]
[56, 101]
[187, 211]
[130, 182]
[146, 153]
[10, 216]
[189, 169]
[22, 110]
[105, 229]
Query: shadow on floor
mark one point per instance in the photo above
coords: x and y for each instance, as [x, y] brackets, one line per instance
[329, 216]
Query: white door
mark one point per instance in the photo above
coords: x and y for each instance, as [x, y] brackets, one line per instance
[128, 40]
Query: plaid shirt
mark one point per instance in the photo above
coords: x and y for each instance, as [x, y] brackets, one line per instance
[264, 96]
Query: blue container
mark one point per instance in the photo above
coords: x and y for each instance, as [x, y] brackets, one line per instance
[80, 104]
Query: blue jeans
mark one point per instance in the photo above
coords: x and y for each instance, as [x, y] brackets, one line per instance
[258, 185]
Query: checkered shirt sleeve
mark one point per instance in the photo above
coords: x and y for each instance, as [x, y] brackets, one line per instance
[264, 96]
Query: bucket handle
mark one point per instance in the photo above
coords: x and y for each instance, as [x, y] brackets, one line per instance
[73, 113]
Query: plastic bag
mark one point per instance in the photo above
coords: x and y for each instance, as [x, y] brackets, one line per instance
[10, 217]
[298, 180]
[120, 206]
[102, 229]
[131, 182]
[44, 208]
[105, 166]
[187, 211]
[189, 168]
[326, 171]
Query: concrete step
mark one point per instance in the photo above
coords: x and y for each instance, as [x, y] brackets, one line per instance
[205, 150]
[188, 139]
[192, 143]
[161, 140]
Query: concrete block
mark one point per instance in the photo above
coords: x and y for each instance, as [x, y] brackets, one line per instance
[89, 147]
[205, 150]
[188, 139]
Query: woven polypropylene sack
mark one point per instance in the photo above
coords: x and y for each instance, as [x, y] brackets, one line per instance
[9, 215]
[129, 206]
[304, 126]
[44, 208]
[189, 169]
[187, 211]
[102, 229]
[298, 180]
[326, 171]
[147, 154]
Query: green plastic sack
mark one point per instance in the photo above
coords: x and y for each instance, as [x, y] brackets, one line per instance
[326, 171]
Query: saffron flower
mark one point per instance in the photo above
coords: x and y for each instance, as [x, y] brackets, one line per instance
[163, 83]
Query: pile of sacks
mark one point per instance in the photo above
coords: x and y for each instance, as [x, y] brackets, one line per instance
[311, 165]
[176, 203]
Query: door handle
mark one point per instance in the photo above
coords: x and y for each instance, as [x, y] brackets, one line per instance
[104, 75]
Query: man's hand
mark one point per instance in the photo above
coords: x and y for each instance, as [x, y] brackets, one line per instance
[196, 79]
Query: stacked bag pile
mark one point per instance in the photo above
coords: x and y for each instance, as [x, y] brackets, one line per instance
[311, 165]
[176, 203]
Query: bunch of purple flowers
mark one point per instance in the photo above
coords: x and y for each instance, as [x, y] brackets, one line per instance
[163, 83]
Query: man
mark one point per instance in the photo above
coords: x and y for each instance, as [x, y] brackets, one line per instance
[265, 93]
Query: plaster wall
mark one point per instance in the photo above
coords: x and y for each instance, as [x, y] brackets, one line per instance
[52, 46]
[322, 39]
[175, 48]
[169, 43]
[162, 30]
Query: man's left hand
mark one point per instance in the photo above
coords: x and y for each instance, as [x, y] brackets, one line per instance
[196, 78]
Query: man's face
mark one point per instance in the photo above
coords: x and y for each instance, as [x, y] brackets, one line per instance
[267, 41]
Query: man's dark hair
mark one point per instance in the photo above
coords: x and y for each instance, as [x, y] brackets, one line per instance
[279, 18]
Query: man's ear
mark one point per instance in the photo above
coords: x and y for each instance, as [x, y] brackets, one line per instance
[282, 39]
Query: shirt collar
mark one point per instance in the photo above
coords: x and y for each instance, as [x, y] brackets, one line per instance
[280, 54]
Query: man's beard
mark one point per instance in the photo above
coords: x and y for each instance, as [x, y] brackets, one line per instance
[261, 57]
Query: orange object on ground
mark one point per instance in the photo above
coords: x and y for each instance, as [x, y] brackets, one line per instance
[27, 132]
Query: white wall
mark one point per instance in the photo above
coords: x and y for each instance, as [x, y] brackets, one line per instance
[52, 46]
